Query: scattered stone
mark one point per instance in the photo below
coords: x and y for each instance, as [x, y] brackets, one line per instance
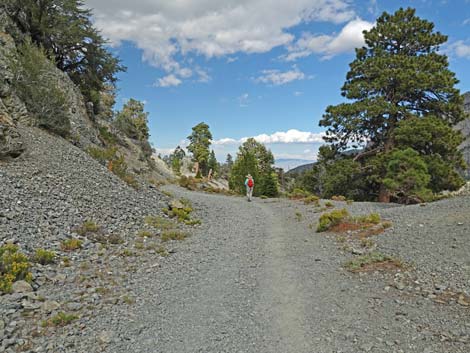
[463, 300]
[105, 337]
[50, 305]
[21, 287]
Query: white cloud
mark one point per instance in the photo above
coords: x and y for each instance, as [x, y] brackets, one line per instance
[466, 22]
[164, 151]
[278, 78]
[460, 49]
[167, 31]
[244, 100]
[168, 81]
[350, 37]
[203, 76]
[298, 93]
[285, 137]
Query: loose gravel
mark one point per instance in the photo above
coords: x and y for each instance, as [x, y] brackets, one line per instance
[253, 277]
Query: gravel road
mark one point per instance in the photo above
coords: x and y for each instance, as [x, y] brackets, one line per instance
[256, 278]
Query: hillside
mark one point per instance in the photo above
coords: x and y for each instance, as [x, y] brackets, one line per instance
[89, 128]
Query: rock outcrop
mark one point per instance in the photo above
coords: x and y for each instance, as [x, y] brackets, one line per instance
[11, 142]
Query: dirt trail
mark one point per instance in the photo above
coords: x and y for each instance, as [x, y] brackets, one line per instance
[255, 278]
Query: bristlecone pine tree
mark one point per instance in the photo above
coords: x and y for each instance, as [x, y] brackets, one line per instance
[398, 76]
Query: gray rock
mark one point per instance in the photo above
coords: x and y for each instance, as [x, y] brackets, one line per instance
[21, 287]
[74, 306]
[50, 305]
[105, 337]
[11, 142]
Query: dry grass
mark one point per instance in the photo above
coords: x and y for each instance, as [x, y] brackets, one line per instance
[373, 261]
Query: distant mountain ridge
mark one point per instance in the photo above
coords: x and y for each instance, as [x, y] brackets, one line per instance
[290, 163]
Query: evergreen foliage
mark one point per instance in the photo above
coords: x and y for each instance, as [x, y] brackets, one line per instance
[407, 176]
[253, 158]
[213, 164]
[398, 76]
[133, 121]
[176, 158]
[200, 140]
[65, 30]
[39, 90]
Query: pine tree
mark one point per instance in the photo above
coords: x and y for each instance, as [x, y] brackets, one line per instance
[176, 158]
[399, 75]
[253, 158]
[212, 163]
[200, 140]
[229, 162]
[133, 120]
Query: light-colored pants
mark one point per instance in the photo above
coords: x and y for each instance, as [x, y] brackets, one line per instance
[249, 192]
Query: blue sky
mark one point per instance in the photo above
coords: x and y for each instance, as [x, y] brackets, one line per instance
[263, 68]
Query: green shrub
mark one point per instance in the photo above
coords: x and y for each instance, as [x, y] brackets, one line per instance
[298, 193]
[145, 234]
[128, 300]
[88, 227]
[192, 222]
[373, 218]
[371, 258]
[44, 257]
[71, 244]
[102, 155]
[338, 198]
[161, 251]
[39, 89]
[331, 219]
[312, 199]
[66, 261]
[329, 204]
[173, 235]
[106, 136]
[14, 266]
[115, 164]
[189, 183]
[159, 222]
[61, 319]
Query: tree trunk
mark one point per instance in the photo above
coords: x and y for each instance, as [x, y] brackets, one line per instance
[384, 194]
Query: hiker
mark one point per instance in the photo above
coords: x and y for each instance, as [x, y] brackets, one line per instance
[249, 183]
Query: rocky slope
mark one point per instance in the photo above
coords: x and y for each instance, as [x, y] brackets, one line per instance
[47, 194]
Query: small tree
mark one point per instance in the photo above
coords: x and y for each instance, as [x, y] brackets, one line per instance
[212, 163]
[229, 162]
[132, 120]
[176, 158]
[200, 140]
[253, 158]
